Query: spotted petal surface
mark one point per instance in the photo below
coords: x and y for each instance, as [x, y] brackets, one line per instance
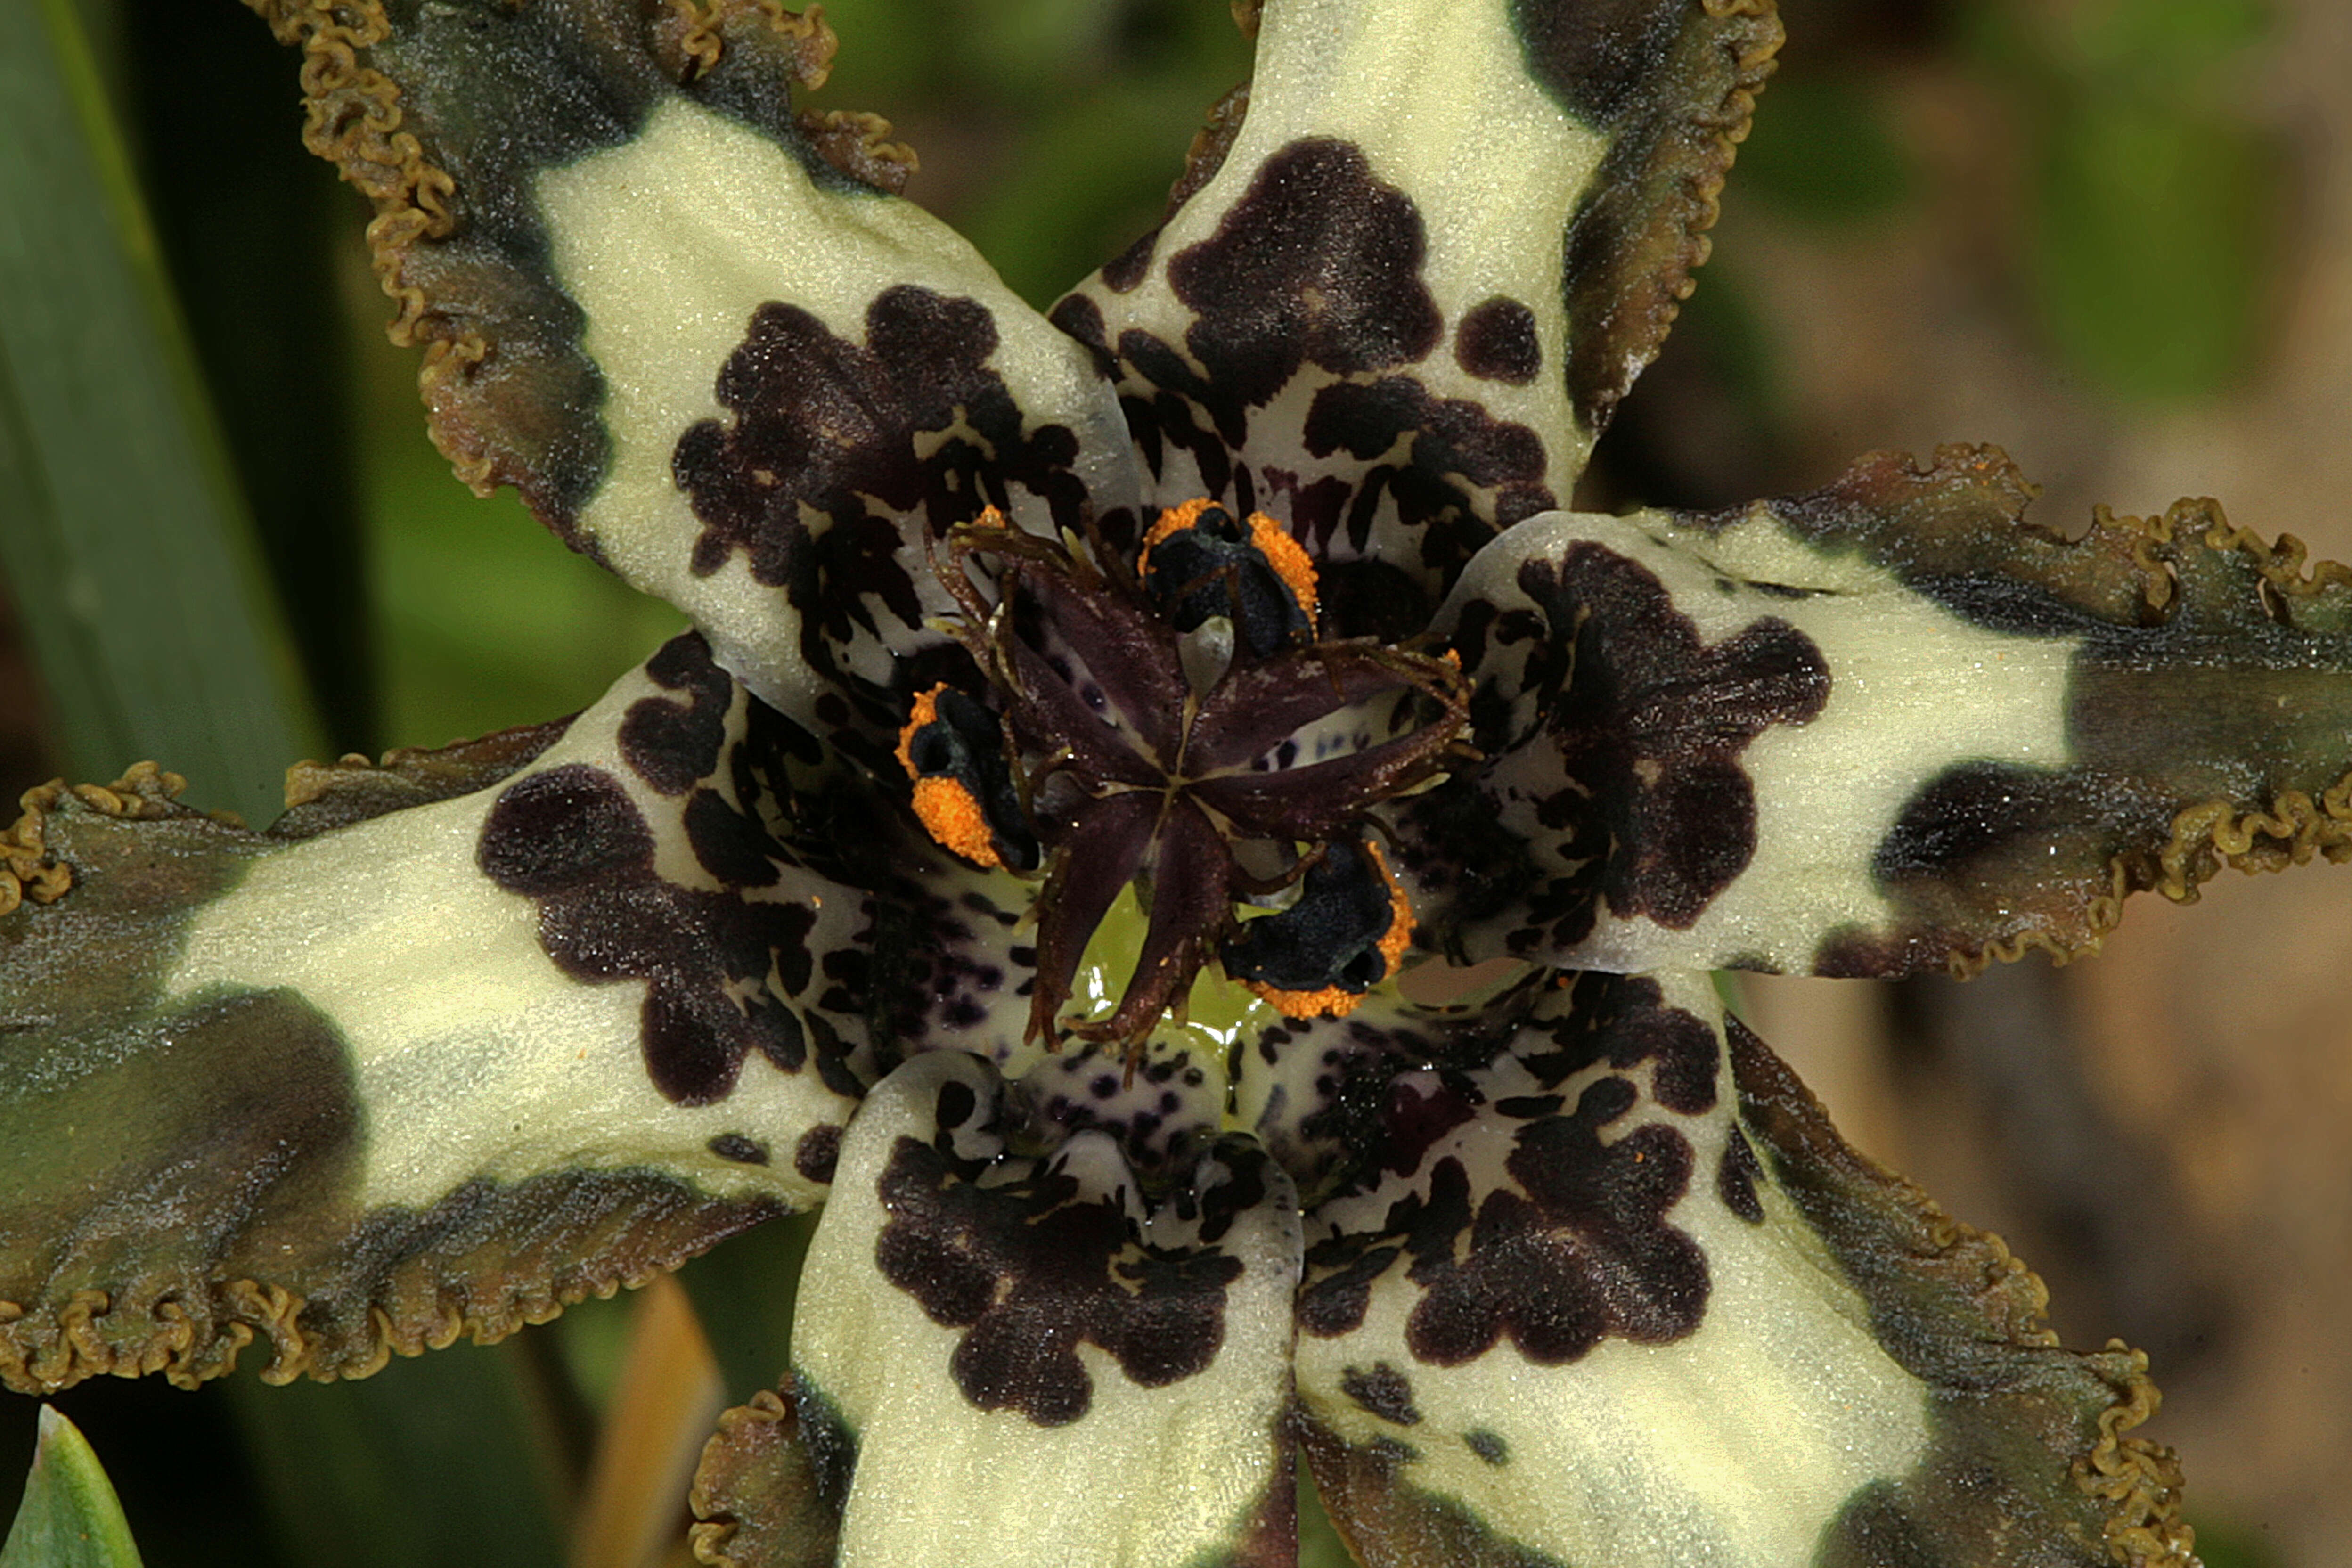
[690, 326]
[461, 1038]
[1412, 282]
[1013, 1359]
[1884, 727]
[1617, 1295]
[1571, 1273]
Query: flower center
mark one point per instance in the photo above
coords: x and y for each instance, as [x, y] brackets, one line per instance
[1181, 726]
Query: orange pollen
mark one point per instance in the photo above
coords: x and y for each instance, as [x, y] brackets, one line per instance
[944, 806]
[926, 711]
[1175, 520]
[1399, 936]
[950, 814]
[1328, 1003]
[1273, 540]
[1289, 561]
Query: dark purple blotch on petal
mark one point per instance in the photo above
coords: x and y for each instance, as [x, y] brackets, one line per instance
[1034, 1268]
[1080, 318]
[1495, 341]
[1571, 1248]
[1375, 599]
[1086, 1087]
[668, 745]
[1384, 1391]
[1334, 1302]
[818, 1151]
[1455, 455]
[1487, 1445]
[1597, 56]
[1736, 1174]
[816, 477]
[1623, 1020]
[571, 839]
[1580, 1252]
[1654, 812]
[739, 1148]
[1122, 273]
[1422, 1107]
[1318, 262]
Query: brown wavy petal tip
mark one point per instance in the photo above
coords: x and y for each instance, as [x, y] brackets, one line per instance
[755, 1493]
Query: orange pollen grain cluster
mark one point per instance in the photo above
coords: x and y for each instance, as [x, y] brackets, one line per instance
[1399, 936]
[1289, 561]
[944, 806]
[950, 814]
[1175, 520]
[1282, 552]
[1328, 1003]
[926, 711]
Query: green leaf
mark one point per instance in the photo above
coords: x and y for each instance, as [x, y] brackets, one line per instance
[68, 1518]
[2152, 239]
[1826, 154]
[453, 1458]
[142, 589]
[743, 1290]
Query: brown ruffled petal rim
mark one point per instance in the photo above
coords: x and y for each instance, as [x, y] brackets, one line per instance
[1643, 232]
[320, 796]
[1209, 145]
[2193, 567]
[757, 1502]
[194, 1152]
[1922, 1270]
[30, 869]
[352, 118]
[500, 1258]
[356, 118]
[2205, 838]
[1888, 726]
[755, 1495]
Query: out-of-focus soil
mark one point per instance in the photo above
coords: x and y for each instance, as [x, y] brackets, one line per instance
[2166, 1131]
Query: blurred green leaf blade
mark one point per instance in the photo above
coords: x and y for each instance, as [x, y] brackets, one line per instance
[1828, 155]
[2153, 244]
[453, 1459]
[742, 1290]
[137, 576]
[69, 1518]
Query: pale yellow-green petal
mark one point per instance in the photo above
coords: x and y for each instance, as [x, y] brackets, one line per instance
[1005, 1361]
[692, 324]
[1401, 296]
[462, 1039]
[1883, 727]
[1618, 1296]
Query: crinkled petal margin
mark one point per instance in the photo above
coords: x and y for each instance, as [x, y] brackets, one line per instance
[463, 1039]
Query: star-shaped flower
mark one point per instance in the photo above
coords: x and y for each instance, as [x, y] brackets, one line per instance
[1085, 714]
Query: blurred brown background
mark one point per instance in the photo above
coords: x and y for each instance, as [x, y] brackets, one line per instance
[2163, 1131]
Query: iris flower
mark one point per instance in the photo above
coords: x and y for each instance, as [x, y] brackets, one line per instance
[1088, 719]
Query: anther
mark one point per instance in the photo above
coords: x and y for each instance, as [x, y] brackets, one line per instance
[1198, 561]
[1346, 933]
[953, 748]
